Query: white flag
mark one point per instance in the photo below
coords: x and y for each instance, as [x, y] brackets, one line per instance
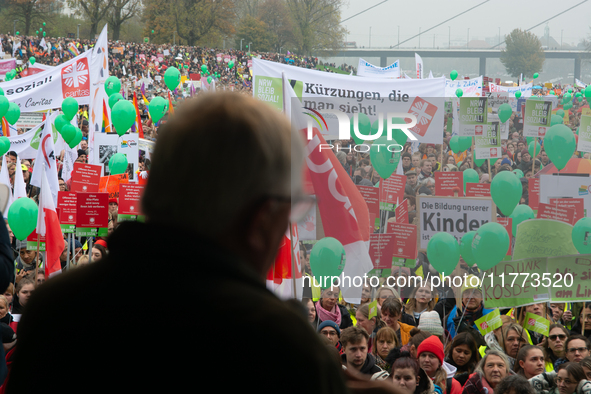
[20, 188]
[419, 62]
[15, 47]
[5, 179]
[46, 159]
[431, 74]
[43, 44]
[123, 71]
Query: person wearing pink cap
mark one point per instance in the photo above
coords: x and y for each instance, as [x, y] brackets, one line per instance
[430, 356]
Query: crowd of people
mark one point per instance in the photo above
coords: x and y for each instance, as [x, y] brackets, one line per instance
[420, 340]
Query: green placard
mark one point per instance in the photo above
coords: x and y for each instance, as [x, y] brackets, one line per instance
[86, 231]
[537, 118]
[584, 134]
[68, 228]
[373, 309]
[473, 116]
[131, 218]
[270, 90]
[570, 277]
[488, 145]
[537, 324]
[489, 322]
[543, 238]
[32, 245]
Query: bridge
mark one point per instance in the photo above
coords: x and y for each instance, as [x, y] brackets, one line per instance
[481, 54]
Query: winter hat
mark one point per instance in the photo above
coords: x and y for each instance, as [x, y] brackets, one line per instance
[524, 152]
[330, 323]
[431, 322]
[433, 345]
[506, 161]
[469, 284]
[21, 244]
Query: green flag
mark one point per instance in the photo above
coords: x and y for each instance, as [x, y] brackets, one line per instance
[373, 309]
[537, 324]
[489, 322]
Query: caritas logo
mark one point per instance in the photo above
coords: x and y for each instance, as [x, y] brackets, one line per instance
[76, 79]
[484, 325]
[531, 322]
[424, 111]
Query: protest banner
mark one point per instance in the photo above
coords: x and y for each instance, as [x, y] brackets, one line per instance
[366, 69]
[454, 215]
[381, 250]
[526, 89]
[371, 195]
[85, 178]
[106, 145]
[477, 189]
[509, 283]
[92, 214]
[533, 187]
[537, 118]
[392, 191]
[473, 116]
[405, 239]
[7, 65]
[549, 211]
[28, 120]
[537, 324]
[543, 238]
[321, 91]
[584, 144]
[489, 322]
[449, 183]
[577, 204]
[571, 278]
[470, 87]
[401, 212]
[488, 145]
[66, 202]
[567, 185]
[129, 206]
[110, 184]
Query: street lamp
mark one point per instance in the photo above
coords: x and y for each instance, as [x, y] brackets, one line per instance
[78, 32]
[174, 38]
[249, 47]
[280, 50]
[14, 27]
[241, 43]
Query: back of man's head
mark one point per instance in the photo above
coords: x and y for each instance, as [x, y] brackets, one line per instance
[247, 142]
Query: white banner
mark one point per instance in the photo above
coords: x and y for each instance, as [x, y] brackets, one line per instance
[423, 98]
[366, 69]
[419, 63]
[580, 84]
[566, 186]
[470, 87]
[525, 90]
[98, 75]
[106, 145]
[26, 145]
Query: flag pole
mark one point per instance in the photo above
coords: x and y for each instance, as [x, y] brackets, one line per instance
[68, 253]
[293, 257]
[37, 264]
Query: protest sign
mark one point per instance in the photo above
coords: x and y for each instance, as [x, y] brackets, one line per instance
[577, 204]
[106, 145]
[110, 184]
[92, 214]
[373, 309]
[488, 145]
[533, 187]
[405, 239]
[470, 87]
[477, 189]
[449, 183]
[537, 118]
[371, 195]
[526, 89]
[543, 238]
[366, 69]
[509, 283]
[489, 322]
[454, 215]
[473, 116]
[507, 223]
[571, 278]
[549, 211]
[86, 178]
[392, 191]
[584, 144]
[495, 100]
[129, 206]
[32, 241]
[66, 202]
[28, 120]
[320, 91]
[573, 186]
[147, 147]
[7, 65]
[537, 324]
[381, 250]
[401, 212]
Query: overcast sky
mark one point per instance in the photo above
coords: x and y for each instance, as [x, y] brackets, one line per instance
[483, 21]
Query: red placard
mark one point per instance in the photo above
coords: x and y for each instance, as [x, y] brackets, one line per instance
[401, 212]
[449, 183]
[477, 189]
[371, 195]
[92, 210]
[129, 199]
[86, 178]
[578, 204]
[110, 184]
[508, 224]
[405, 244]
[549, 211]
[66, 202]
[533, 189]
[392, 189]
[381, 249]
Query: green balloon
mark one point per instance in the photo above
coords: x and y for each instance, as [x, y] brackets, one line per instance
[465, 143]
[18, 32]
[70, 108]
[553, 93]
[112, 85]
[77, 138]
[37, 32]
[123, 116]
[32, 60]
[587, 91]
[580, 234]
[506, 191]
[578, 94]
[327, 258]
[443, 252]
[204, 68]
[40, 29]
[459, 92]
[466, 248]
[60, 122]
[231, 64]
[44, 34]
[555, 119]
[454, 144]
[453, 75]
[505, 112]
[364, 127]
[43, 23]
[518, 173]
[560, 113]
[490, 245]
[172, 77]
[114, 98]
[152, 31]
[384, 161]
[521, 213]
[479, 162]
[209, 79]
[22, 217]
[530, 149]
[567, 106]
[158, 108]
[517, 94]
[4, 104]
[567, 97]
[68, 132]
[470, 176]
[536, 75]
[560, 145]
[117, 164]
[4, 145]
[13, 113]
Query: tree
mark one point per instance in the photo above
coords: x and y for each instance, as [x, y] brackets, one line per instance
[254, 31]
[94, 11]
[523, 53]
[279, 24]
[197, 19]
[159, 17]
[29, 12]
[317, 25]
[122, 11]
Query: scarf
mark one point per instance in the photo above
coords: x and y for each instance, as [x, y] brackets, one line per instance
[470, 316]
[334, 315]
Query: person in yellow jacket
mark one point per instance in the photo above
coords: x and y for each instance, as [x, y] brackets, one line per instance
[391, 312]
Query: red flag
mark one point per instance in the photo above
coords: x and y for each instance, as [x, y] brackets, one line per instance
[170, 107]
[48, 224]
[280, 278]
